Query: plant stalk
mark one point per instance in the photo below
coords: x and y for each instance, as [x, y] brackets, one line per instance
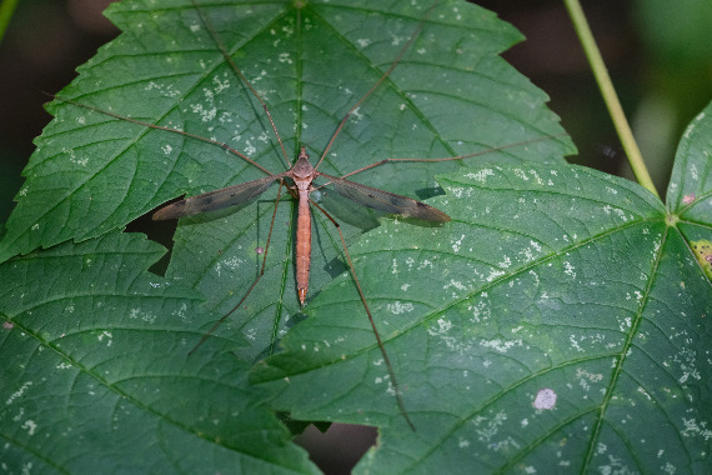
[7, 8]
[610, 97]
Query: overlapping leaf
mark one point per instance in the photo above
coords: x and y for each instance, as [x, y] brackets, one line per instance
[96, 375]
[560, 322]
[311, 62]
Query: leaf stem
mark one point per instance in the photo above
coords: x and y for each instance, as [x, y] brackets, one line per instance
[578, 18]
[7, 8]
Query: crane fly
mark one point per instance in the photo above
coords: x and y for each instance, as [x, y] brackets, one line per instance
[299, 180]
[302, 175]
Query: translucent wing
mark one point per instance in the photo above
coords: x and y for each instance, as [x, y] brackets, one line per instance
[215, 200]
[385, 201]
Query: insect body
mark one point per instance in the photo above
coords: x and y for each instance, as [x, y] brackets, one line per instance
[302, 174]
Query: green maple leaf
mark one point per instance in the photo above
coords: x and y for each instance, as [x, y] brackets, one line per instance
[560, 320]
[96, 375]
[452, 94]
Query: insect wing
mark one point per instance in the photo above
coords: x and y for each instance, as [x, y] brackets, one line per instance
[386, 201]
[215, 200]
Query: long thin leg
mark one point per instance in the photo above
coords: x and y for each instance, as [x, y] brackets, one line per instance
[259, 276]
[160, 127]
[446, 159]
[391, 373]
[242, 77]
[383, 77]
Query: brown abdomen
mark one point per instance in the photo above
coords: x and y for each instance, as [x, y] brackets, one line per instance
[303, 246]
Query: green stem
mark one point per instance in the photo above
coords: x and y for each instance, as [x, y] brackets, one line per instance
[609, 95]
[7, 7]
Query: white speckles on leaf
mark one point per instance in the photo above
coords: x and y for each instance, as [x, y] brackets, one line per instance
[249, 148]
[501, 346]
[586, 378]
[494, 274]
[288, 30]
[545, 399]
[105, 335]
[693, 428]
[457, 243]
[456, 191]
[455, 284]
[231, 263]
[481, 176]
[30, 426]
[534, 276]
[569, 269]
[481, 309]
[181, 312]
[164, 90]
[148, 317]
[645, 393]
[686, 361]
[574, 341]
[453, 343]
[694, 174]
[444, 326]
[608, 209]
[521, 174]
[17, 394]
[601, 448]
[397, 308]
[220, 85]
[206, 114]
[625, 325]
[488, 426]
